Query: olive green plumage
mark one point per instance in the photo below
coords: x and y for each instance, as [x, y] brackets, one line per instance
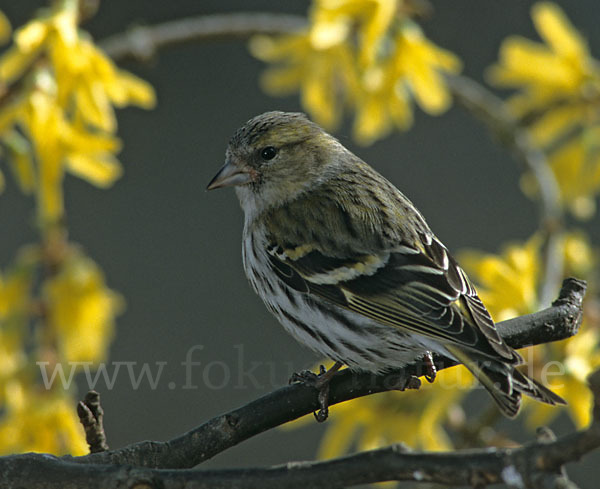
[350, 267]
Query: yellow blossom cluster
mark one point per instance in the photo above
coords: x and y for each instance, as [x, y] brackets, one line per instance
[81, 310]
[60, 94]
[36, 420]
[558, 101]
[368, 55]
[57, 97]
[72, 320]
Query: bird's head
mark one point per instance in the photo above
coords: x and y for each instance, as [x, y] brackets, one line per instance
[275, 157]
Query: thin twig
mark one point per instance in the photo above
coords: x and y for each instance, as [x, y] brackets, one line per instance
[91, 416]
[142, 42]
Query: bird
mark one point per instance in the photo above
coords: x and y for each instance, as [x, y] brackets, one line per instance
[349, 266]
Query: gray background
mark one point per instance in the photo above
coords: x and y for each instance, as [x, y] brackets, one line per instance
[173, 250]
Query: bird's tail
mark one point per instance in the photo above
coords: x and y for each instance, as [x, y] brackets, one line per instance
[504, 382]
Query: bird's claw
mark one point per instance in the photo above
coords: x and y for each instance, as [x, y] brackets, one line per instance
[305, 377]
[320, 382]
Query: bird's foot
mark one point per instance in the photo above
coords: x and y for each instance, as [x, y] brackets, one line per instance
[320, 382]
[430, 370]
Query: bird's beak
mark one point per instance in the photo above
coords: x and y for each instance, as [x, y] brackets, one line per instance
[230, 175]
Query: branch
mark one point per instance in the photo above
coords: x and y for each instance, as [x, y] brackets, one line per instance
[557, 322]
[535, 465]
[142, 42]
[143, 464]
[91, 416]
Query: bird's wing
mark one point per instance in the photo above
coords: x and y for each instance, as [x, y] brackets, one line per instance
[417, 288]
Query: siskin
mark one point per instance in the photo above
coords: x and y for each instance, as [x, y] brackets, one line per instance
[349, 266]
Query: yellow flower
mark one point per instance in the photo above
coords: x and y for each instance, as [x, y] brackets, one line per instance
[414, 67]
[333, 20]
[560, 68]
[66, 110]
[580, 356]
[559, 101]
[580, 259]
[81, 310]
[322, 75]
[509, 281]
[14, 294]
[60, 145]
[37, 421]
[413, 417]
[85, 76]
[364, 54]
[12, 355]
[381, 103]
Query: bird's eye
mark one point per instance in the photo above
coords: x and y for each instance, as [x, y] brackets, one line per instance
[268, 153]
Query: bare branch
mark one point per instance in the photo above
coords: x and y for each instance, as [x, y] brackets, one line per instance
[142, 42]
[91, 416]
[559, 321]
[535, 465]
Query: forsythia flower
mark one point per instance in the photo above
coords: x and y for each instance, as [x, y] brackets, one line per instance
[576, 166]
[66, 110]
[333, 20]
[414, 68]
[15, 289]
[61, 145]
[81, 310]
[365, 54]
[12, 356]
[319, 74]
[559, 100]
[508, 281]
[39, 421]
[581, 355]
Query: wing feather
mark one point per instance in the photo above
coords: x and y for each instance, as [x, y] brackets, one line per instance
[408, 281]
[403, 289]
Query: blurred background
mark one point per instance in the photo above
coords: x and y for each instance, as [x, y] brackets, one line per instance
[172, 250]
